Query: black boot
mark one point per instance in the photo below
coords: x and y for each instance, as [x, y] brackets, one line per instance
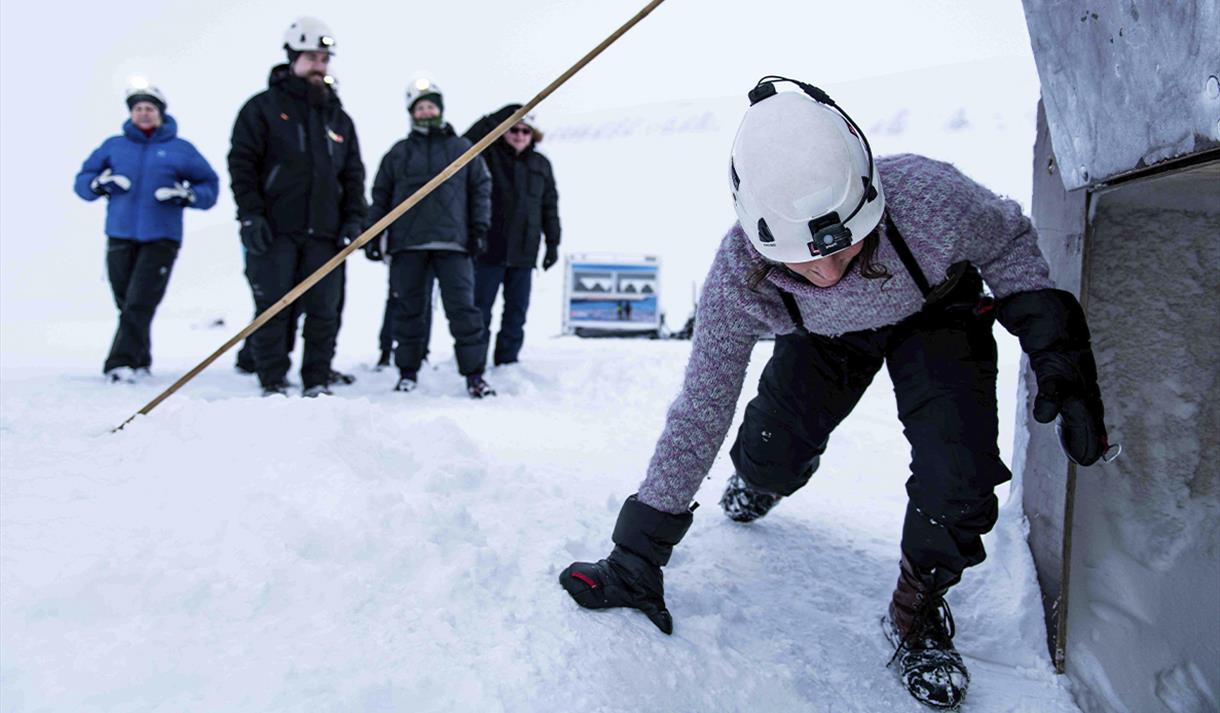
[477, 388]
[644, 538]
[338, 378]
[742, 503]
[919, 626]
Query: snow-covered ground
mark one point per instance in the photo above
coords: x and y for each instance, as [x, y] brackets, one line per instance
[383, 552]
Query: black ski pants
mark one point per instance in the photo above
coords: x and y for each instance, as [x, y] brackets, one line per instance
[385, 339]
[139, 273]
[516, 282]
[411, 291]
[272, 274]
[944, 371]
[245, 355]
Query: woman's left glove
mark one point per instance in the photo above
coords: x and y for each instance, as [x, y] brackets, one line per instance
[1053, 332]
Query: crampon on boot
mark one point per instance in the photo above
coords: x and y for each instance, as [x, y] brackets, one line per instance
[742, 503]
[920, 627]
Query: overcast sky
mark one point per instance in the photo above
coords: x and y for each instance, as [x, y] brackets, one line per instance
[481, 53]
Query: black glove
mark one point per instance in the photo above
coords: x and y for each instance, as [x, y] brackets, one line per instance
[551, 257]
[1053, 332]
[373, 249]
[1076, 400]
[644, 539]
[256, 234]
[348, 232]
[476, 245]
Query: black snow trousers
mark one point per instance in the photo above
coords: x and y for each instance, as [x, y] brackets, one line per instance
[272, 274]
[942, 362]
[411, 292]
[385, 338]
[139, 273]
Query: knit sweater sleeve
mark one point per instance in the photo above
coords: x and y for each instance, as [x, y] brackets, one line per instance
[726, 329]
[995, 235]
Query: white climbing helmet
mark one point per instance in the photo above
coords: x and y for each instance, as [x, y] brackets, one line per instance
[422, 87]
[309, 34]
[139, 90]
[802, 175]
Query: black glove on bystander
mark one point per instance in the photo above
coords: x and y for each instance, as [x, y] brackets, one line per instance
[373, 248]
[256, 234]
[551, 257]
[348, 233]
[476, 245]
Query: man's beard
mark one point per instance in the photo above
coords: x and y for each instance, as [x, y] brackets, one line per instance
[319, 92]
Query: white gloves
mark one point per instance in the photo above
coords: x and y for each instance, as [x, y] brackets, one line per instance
[179, 194]
[108, 183]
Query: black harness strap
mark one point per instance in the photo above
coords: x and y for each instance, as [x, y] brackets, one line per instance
[904, 254]
[793, 311]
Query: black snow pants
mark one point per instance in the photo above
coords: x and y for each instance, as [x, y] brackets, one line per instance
[411, 292]
[139, 273]
[385, 338]
[272, 274]
[942, 362]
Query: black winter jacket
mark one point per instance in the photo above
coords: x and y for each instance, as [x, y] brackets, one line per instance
[524, 201]
[296, 162]
[449, 216]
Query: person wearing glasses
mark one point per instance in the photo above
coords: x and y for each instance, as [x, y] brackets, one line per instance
[850, 277]
[298, 181]
[147, 174]
[524, 208]
[438, 237]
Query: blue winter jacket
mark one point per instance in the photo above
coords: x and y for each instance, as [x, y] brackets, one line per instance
[151, 162]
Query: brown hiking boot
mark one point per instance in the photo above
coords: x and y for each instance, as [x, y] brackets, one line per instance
[920, 627]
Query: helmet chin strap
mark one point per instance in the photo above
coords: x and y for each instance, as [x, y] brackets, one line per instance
[830, 232]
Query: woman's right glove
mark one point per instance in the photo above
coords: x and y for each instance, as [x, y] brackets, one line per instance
[644, 539]
[1053, 332]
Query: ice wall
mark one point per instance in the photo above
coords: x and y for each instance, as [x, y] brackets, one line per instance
[1144, 609]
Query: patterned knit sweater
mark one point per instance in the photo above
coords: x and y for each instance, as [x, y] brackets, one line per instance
[943, 216]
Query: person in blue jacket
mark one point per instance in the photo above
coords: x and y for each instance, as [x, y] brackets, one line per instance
[148, 175]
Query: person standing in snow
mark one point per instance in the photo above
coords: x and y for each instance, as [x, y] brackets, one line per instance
[148, 175]
[524, 207]
[442, 233]
[298, 182]
[850, 278]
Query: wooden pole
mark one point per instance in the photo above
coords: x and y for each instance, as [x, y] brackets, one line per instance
[383, 224]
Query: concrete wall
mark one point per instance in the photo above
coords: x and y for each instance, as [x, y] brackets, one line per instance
[1127, 83]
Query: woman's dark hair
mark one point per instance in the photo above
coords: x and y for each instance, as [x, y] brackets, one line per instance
[870, 269]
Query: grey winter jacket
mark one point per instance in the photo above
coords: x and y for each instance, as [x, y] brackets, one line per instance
[944, 218]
